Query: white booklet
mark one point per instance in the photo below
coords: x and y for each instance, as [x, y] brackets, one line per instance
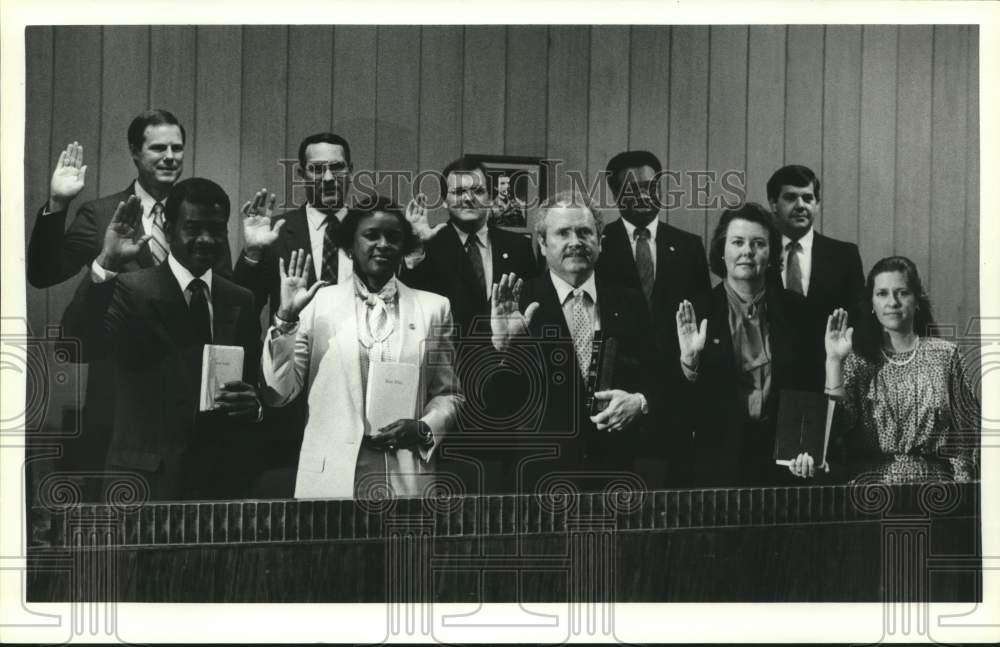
[391, 393]
[219, 364]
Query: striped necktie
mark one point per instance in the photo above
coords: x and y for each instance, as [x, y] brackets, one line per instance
[158, 243]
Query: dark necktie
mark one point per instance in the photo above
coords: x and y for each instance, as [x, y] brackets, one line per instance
[793, 273]
[644, 263]
[328, 271]
[476, 259]
[198, 308]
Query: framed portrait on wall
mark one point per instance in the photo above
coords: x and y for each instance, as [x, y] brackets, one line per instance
[520, 186]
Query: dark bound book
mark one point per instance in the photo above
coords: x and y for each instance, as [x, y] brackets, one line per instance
[803, 426]
[604, 378]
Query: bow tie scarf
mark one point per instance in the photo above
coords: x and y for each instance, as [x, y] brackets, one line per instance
[379, 323]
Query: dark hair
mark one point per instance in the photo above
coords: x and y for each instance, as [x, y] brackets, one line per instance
[195, 191]
[752, 212]
[366, 207]
[868, 333]
[323, 138]
[156, 117]
[791, 175]
[464, 164]
[627, 160]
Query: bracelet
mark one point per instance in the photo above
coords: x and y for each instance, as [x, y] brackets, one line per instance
[833, 388]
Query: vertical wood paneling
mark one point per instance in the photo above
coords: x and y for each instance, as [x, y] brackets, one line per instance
[310, 91]
[485, 86]
[569, 106]
[38, 160]
[609, 95]
[218, 118]
[972, 247]
[397, 106]
[688, 119]
[913, 144]
[527, 87]
[804, 97]
[649, 91]
[877, 182]
[125, 78]
[354, 56]
[948, 159]
[765, 117]
[727, 96]
[841, 131]
[265, 84]
[440, 128]
[172, 80]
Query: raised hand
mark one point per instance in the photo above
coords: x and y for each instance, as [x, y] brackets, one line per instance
[690, 335]
[259, 228]
[294, 294]
[123, 239]
[416, 213]
[506, 320]
[838, 339]
[68, 178]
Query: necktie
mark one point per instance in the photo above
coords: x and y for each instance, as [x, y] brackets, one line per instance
[476, 259]
[793, 273]
[198, 308]
[582, 330]
[644, 263]
[328, 272]
[158, 243]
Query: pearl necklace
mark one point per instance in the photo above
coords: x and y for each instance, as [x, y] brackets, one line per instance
[912, 351]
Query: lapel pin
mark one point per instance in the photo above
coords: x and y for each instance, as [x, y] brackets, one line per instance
[413, 326]
[505, 255]
[671, 248]
[715, 341]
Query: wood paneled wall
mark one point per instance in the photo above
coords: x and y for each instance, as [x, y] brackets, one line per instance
[886, 115]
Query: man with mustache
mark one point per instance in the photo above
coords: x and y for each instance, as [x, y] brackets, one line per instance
[564, 324]
[827, 272]
[668, 266]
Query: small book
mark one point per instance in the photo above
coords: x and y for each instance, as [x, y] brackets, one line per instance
[219, 364]
[605, 377]
[803, 426]
[391, 394]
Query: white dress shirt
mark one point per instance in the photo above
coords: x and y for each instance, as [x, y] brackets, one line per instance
[317, 230]
[630, 232]
[565, 292]
[805, 259]
[485, 250]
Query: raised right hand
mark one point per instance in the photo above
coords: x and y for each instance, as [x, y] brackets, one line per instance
[416, 214]
[259, 228]
[838, 339]
[506, 320]
[690, 335]
[294, 294]
[68, 178]
[123, 239]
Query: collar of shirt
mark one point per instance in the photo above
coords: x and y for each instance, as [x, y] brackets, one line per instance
[147, 201]
[482, 235]
[564, 289]
[317, 218]
[806, 241]
[388, 294]
[184, 276]
[630, 229]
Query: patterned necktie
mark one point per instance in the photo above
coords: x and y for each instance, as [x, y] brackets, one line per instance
[158, 243]
[644, 263]
[198, 308]
[328, 270]
[793, 273]
[476, 259]
[582, 330]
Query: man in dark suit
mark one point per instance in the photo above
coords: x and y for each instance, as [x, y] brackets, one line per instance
[154, 323]
[668, 266]
[591, 342]
[156, 143]
[827, 272]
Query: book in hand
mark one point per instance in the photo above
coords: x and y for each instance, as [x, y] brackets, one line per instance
[605, 378]
[219, 365]
[391, 394]
[803, 426]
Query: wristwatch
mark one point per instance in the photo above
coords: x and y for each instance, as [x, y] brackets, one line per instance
[644, 403]
[425, 435]
[285, 327]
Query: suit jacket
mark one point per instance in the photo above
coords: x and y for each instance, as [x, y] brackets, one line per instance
[322, 360]
[446, 270]
[543, 377]
[723, 436]
[140, 320]
[837, 279]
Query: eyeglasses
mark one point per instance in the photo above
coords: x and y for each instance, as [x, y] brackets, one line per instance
[476, 191]
[334, 168]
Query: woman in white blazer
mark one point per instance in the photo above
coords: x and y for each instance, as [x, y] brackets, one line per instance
[324, 339]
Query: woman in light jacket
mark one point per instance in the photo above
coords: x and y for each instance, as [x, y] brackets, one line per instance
[324, 340]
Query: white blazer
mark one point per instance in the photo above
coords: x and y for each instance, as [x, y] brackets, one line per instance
[322, 358]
